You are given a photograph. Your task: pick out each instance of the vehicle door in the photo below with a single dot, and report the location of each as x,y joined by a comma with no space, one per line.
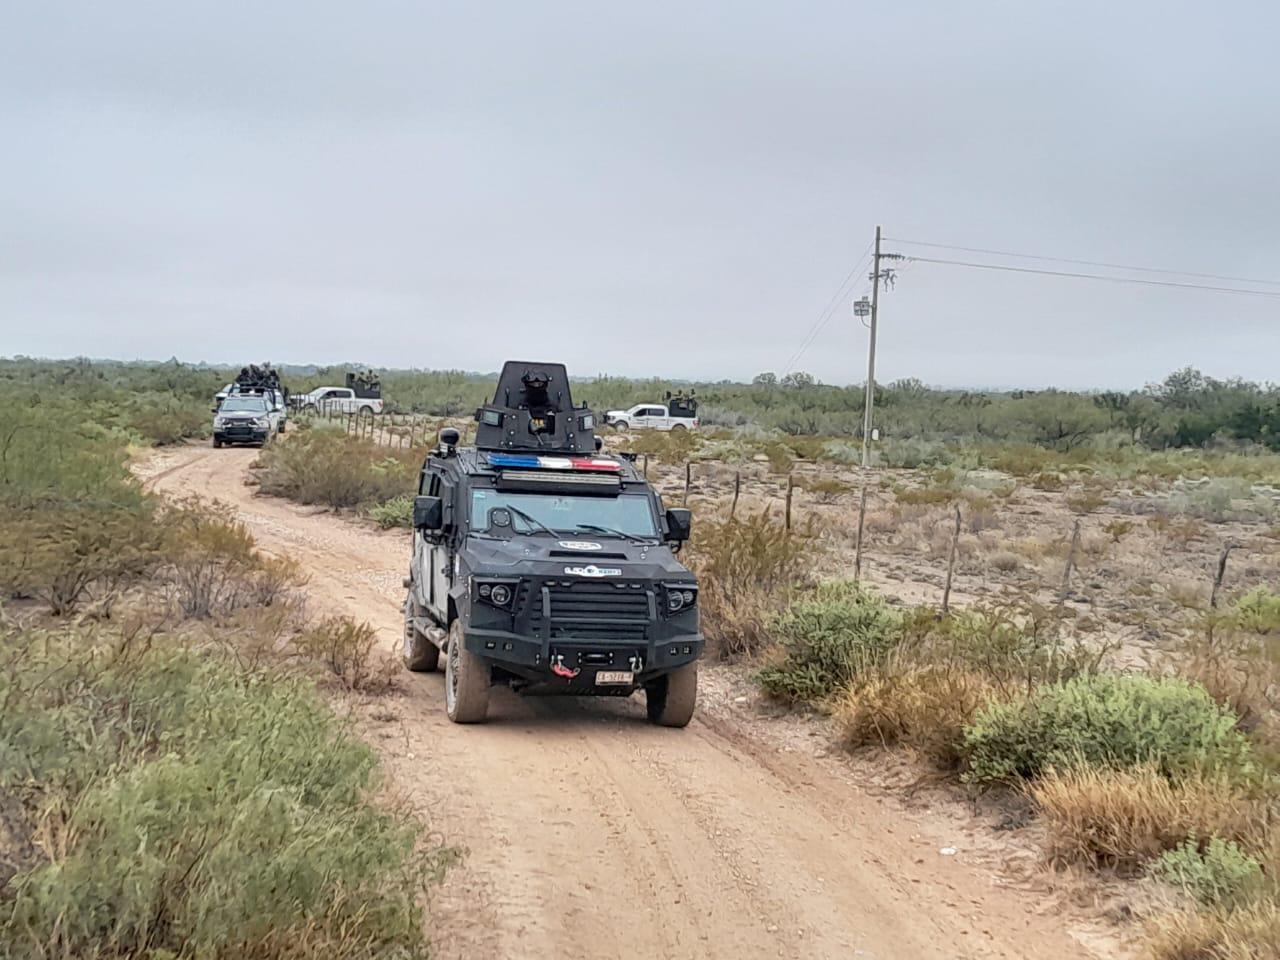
640,416
435,554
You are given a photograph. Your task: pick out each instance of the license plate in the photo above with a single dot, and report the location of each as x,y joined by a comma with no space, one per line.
614,676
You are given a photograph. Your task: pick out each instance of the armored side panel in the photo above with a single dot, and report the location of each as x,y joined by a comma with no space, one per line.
533,409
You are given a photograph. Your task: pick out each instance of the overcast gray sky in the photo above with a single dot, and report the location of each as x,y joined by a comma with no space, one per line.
644,188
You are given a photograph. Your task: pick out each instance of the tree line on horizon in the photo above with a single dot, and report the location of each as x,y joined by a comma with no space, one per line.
166,401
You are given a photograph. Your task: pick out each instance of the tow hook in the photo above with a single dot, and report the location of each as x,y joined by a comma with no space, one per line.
560,670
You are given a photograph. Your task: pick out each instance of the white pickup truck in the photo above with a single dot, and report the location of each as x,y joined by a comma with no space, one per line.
340,400
651,416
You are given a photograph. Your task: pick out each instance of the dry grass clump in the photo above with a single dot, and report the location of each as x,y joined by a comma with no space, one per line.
925,708
214,567
748,568
1250,932
1124,818
349,650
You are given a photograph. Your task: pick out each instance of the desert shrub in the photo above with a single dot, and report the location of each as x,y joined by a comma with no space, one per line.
1257,612
186,810
1248,932
1117,530
747,570
215,568
75,524
1048,482
1123,818
825,489
1219,872
1105,720
337,470
396,512
350,651
666,446
1086,500
911,453
925,496
826,639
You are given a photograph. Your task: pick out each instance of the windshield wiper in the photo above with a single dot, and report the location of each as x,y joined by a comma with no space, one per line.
610,531
532,521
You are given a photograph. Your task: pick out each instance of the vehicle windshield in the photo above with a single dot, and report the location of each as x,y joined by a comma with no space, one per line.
243,404
630,513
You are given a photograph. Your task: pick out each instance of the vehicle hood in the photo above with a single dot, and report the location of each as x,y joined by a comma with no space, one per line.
243,415
570,556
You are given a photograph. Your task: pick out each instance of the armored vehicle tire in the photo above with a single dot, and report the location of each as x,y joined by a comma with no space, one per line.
670,699
217,444
466,680
419,654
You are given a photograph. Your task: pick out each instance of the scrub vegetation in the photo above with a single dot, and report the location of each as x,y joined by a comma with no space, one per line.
173,780
1065,597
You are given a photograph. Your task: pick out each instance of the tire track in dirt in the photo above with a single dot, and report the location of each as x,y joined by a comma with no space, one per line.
590,833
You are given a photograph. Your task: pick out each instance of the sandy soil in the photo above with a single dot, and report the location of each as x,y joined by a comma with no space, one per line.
590,833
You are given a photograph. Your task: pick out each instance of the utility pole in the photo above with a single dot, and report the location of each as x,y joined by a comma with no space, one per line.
876,277
871,357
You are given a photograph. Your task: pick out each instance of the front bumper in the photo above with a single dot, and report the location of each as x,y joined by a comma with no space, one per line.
563,633
241,435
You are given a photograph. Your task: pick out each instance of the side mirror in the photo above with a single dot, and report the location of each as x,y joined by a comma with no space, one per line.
679,524
428,513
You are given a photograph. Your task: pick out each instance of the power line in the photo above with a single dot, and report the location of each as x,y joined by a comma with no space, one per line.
1098,276
1086,263
827,313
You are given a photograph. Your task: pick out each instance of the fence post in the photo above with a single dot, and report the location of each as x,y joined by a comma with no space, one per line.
688,476
646,466
737,488
1071,562
862,518
791,485
951,563
1222,572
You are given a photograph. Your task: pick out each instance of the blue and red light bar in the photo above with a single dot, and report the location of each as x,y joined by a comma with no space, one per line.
529,461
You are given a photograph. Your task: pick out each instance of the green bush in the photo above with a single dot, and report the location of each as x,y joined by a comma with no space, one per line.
1220,874
396,512
1105,720
187,810
827,639
332,468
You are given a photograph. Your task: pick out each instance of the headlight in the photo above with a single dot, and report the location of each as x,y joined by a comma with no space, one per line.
497,594
261,421
219,421
680,597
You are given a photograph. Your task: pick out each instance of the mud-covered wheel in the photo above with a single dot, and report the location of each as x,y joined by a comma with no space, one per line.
419,654
678,428
670,699
466,680
217,444
620,426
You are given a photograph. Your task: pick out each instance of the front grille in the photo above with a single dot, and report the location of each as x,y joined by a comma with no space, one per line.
586,600
587,610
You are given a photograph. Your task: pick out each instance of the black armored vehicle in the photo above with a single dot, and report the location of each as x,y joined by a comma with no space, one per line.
543,564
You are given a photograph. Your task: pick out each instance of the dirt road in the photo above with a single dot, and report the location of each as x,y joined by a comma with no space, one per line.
590,833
